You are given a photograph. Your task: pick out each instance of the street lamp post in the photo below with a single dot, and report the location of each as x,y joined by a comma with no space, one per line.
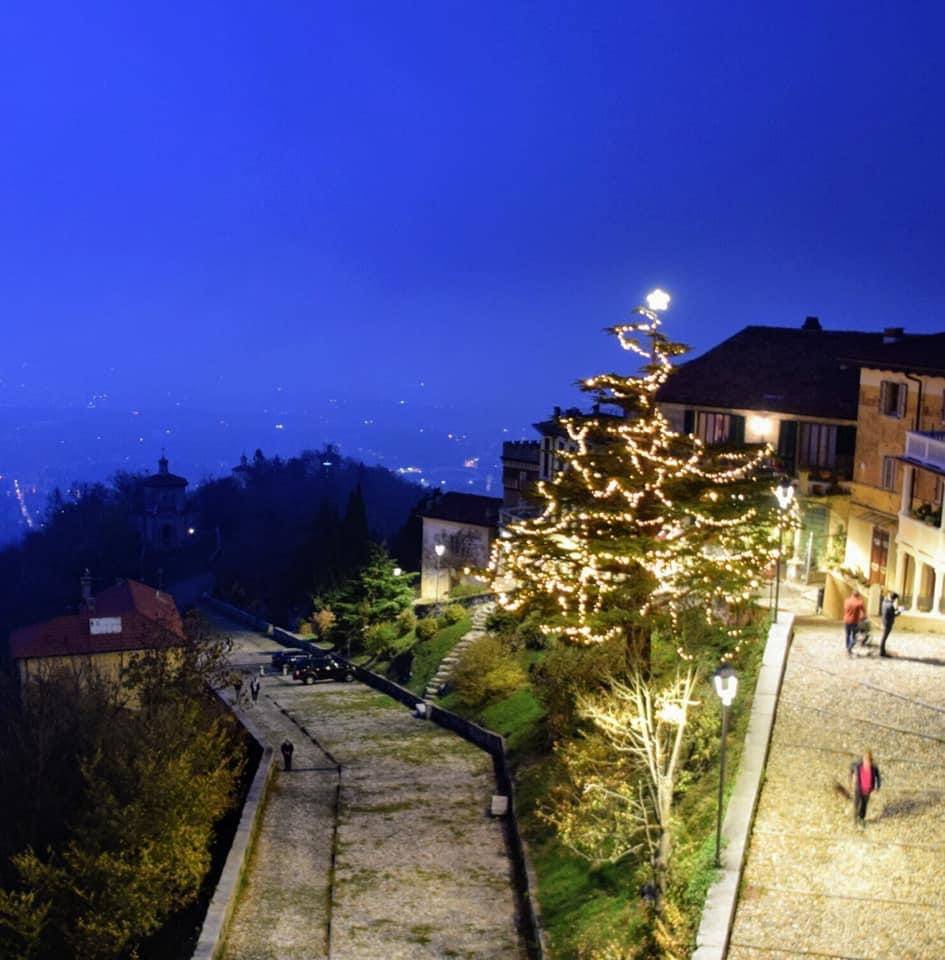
726,686
784,491
439,550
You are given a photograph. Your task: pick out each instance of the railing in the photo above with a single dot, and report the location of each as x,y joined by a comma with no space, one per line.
524,511
921,537
926,446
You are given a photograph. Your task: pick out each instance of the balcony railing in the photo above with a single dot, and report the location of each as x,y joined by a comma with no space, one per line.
926,447
921,537
523,511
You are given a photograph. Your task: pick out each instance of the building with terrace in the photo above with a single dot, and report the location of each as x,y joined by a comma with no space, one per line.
895,537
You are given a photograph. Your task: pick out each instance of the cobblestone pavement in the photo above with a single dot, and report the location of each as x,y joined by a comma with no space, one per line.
814,884
420,869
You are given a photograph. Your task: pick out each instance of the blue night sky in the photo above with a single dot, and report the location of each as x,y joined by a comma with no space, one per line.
226,215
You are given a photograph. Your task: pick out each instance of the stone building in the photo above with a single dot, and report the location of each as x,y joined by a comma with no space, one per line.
895,538
110,628
797,390
165,521
520,470
462,526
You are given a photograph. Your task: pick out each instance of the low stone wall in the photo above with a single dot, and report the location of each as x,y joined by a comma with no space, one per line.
492,743
212,937
719,911
241,616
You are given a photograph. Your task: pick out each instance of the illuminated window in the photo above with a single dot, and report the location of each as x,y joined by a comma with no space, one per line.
713,428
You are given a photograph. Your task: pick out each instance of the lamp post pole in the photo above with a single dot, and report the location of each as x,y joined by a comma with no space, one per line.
726,686
439,550
785,494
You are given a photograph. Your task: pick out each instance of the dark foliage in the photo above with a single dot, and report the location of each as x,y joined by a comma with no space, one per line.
273,533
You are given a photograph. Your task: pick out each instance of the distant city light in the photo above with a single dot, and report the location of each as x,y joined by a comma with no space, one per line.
280,426
471,463
191,531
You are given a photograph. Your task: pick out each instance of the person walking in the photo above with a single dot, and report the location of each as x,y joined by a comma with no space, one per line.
287,750
853,612
865,778
237,687
254,688
889,610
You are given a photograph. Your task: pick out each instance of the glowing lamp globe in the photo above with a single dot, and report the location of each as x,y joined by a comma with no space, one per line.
658,300
784,491
726,683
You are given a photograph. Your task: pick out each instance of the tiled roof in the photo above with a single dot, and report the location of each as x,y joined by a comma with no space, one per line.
465,508
805,372
917,353
148,618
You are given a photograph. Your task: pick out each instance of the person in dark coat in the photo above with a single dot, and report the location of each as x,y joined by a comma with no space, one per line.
254,688
865,778
287,750
889,611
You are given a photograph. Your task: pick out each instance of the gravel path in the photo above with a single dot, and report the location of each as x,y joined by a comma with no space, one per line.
421,871
814,884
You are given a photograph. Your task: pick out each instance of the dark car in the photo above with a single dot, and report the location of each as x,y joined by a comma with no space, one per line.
290,658
323,668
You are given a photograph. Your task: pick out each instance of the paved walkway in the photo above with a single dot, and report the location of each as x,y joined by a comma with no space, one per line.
419,871
814,885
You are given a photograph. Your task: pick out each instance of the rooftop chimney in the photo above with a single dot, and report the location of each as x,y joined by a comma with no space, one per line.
892,334
812,323
557,412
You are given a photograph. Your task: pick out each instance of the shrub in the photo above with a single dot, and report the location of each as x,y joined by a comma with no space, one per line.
486,672
468,590
306,629
567,671
502,622
426,628
323,622
453,614
530,636
406,622
381,639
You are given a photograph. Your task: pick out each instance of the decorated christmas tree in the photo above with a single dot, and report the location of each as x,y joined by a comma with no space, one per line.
643,528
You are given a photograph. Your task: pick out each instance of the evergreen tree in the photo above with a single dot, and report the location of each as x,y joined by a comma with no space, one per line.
644,527
375,595
355,535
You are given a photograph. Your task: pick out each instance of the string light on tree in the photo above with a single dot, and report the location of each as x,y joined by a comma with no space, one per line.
643,526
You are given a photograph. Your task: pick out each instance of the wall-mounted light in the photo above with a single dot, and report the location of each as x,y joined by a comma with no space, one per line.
760,426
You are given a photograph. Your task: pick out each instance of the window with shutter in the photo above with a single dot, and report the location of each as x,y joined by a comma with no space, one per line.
892,399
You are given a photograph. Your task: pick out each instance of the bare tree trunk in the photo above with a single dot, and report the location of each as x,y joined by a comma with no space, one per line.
639,650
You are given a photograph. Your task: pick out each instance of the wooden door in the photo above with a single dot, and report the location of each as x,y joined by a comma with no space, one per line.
878,556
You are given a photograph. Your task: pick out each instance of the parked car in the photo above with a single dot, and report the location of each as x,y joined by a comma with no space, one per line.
290,659
323,668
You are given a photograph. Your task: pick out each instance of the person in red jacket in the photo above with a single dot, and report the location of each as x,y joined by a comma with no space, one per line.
865,778
853,612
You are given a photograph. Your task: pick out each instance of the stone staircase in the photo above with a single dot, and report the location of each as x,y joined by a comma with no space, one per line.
479,616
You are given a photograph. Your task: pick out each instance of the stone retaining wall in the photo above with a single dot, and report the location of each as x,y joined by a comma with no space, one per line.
719,911
209,944
492,743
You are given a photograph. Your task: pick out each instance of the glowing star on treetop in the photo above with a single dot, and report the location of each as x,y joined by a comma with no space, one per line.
658,300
